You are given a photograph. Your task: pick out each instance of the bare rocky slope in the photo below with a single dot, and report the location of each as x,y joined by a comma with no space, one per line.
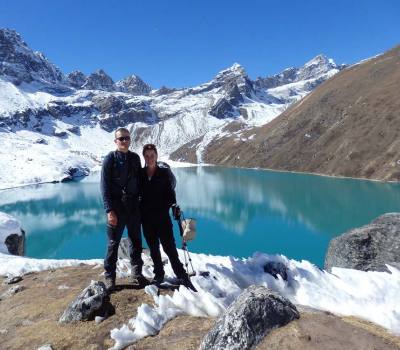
348,126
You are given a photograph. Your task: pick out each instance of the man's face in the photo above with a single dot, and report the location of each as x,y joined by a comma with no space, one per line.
123,141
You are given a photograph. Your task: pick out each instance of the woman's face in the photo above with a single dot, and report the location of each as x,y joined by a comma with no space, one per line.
150,157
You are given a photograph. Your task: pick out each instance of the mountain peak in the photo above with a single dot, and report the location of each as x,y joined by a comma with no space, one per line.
235,69
20,64
316,67
134,85
99,80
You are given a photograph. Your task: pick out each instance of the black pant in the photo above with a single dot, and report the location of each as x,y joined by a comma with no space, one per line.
129,217
157,227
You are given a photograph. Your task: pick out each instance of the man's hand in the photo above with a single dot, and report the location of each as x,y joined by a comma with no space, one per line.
112,218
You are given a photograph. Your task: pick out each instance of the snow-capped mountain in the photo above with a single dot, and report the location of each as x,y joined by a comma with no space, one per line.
19,64
66,121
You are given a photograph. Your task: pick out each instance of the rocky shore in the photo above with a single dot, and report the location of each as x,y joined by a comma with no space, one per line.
29,320
33,304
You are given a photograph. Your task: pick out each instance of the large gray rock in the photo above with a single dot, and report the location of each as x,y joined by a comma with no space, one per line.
367,248
254,314
15,243
12,236
93,301
275,268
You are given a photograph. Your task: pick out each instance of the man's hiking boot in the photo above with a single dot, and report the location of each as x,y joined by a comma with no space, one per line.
109,283
140,281
185,281
157,280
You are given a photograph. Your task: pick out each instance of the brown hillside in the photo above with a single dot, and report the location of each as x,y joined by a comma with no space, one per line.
348,126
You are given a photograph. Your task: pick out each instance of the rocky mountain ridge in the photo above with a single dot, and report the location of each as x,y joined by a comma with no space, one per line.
37,98
348,126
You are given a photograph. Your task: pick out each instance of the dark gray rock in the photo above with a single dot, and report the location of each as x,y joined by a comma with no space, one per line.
76,79
74,130
15,243
276,268
75,173
41,141
223,109
254,314
92,302
13,290
163,90
367,248
14,279
60,133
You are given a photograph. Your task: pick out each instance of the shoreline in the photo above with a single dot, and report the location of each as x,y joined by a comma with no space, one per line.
174,164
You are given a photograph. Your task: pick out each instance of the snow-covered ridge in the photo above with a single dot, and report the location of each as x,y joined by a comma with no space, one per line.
66,122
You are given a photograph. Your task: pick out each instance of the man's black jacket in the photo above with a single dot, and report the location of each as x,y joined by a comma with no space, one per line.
120,172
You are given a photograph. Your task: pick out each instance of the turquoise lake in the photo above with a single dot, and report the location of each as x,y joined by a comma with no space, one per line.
238,212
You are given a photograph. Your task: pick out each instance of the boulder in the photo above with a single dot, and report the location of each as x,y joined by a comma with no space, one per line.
275,268
92,302
12,236
11,291
248,319
367,248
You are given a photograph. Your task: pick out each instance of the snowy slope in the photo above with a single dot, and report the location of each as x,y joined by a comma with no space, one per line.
51,123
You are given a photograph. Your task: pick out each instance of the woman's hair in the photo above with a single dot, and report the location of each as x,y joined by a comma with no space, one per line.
149,147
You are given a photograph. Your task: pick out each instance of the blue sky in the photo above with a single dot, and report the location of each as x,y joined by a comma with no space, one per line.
185,43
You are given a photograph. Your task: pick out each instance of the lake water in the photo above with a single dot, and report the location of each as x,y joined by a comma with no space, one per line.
238,211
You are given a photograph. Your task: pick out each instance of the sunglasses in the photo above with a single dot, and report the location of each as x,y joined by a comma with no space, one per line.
123,138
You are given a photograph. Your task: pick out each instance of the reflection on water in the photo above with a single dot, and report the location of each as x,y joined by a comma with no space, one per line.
239,211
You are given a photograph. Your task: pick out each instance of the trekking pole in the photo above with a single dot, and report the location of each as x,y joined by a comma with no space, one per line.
186,255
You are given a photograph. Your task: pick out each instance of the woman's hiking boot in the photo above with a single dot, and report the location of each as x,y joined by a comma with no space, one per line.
157,280
185,281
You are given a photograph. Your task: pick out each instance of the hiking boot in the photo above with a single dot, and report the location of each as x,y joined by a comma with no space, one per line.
140,281
157,280
109,282
185,281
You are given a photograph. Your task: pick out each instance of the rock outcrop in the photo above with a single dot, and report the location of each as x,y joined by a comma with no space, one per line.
93,301
254,314
367,248
76,79
12,236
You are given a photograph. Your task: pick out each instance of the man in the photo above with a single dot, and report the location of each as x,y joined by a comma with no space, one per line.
120,192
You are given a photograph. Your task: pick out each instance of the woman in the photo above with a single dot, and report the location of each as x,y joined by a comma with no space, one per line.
157,197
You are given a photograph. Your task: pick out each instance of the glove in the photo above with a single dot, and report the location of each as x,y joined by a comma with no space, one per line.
176,211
